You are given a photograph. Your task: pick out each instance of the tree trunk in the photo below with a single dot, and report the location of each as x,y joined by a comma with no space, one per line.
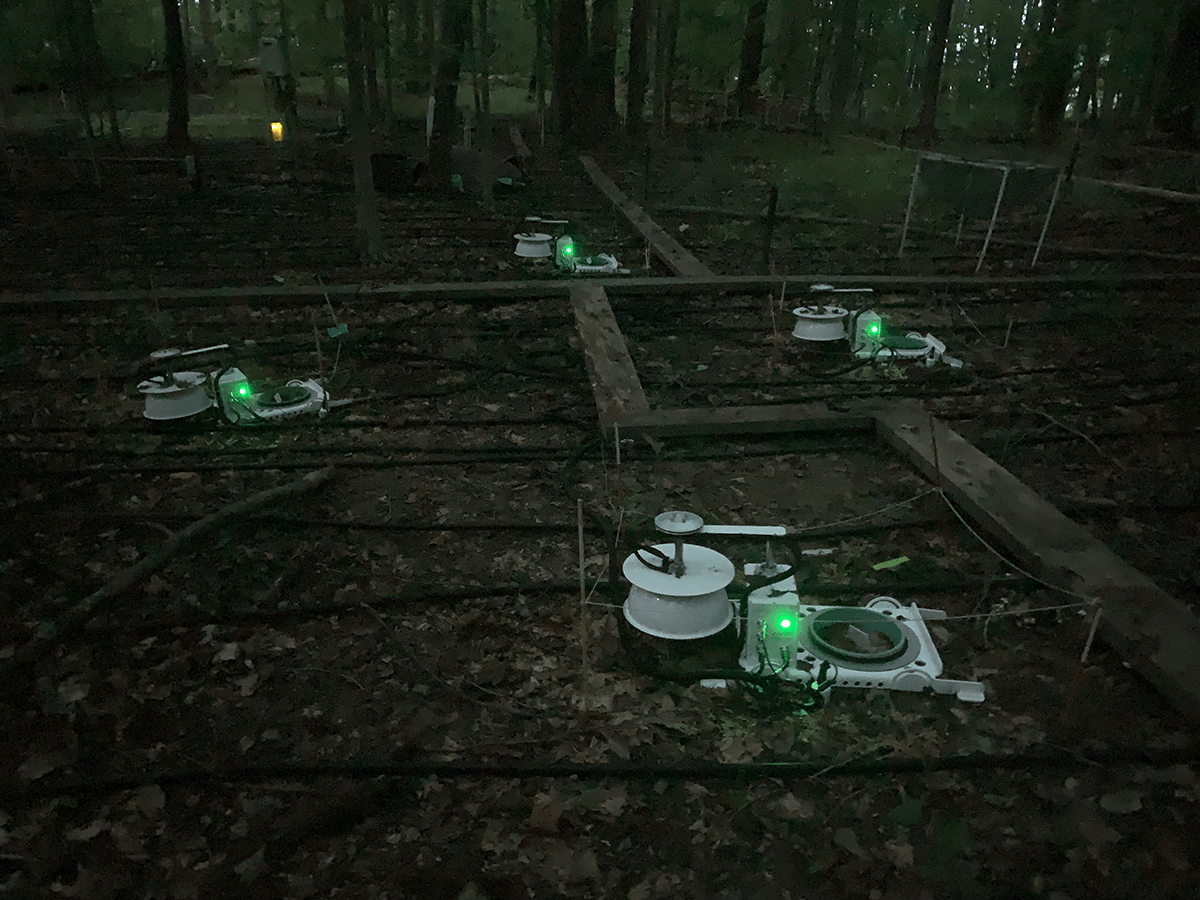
474,43
665,31
486,49
1086,106
635,88
602,74
787,47
570,71
1005,29
927,121
1132,101
370,238
389,71
752,51
99,73
177,104
411,21
818,74
431,37
1057,64
864,70
209,48
255,25
329,86
185,22
456,24
1176,113
1031,76
287,93
74,75
845,52
370,36
541,18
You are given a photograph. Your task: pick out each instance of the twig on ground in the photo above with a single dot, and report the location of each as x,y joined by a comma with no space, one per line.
79,614
1075,431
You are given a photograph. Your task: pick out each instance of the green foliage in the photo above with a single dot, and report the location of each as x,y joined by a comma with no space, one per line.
709,42
981,89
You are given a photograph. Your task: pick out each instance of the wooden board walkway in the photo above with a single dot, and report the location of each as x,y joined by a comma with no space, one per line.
1154,633
668,249
615,383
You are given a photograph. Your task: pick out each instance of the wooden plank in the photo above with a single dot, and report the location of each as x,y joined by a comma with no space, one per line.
1162,193
512,291
800,418
1155,633
615,381
668,249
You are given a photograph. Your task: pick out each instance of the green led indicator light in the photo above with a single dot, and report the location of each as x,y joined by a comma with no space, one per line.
785,624
873,328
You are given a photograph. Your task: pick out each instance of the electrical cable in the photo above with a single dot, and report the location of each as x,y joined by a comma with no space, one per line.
684,769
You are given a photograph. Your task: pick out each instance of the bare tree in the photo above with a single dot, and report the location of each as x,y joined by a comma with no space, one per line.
752,51
635,92
287,94
178,140
570,70
931,88
1177,112
602,68
456,25
370,237
666,30
845,55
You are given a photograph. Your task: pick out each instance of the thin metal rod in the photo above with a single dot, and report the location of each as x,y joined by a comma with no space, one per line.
991,225
1046,225
583,623
912,193
1087,647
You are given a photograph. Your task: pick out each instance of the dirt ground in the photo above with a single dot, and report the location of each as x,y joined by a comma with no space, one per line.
377,687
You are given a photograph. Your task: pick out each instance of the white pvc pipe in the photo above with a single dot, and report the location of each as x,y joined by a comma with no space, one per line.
991,225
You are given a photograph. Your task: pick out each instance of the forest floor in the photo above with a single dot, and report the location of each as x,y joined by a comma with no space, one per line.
375,688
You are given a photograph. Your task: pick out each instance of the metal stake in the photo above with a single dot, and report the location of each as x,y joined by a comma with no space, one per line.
912,193
1045,225
991,225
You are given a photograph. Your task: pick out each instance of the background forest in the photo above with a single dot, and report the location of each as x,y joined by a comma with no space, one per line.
996,68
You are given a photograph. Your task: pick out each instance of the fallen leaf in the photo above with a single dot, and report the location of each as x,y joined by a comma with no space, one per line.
789,806
86,834
227,653
73,691
907,812
613,805
547,810
247,685
848,840
1121,802
1093,828
150,800
250,868
900,853
640,891
35,767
